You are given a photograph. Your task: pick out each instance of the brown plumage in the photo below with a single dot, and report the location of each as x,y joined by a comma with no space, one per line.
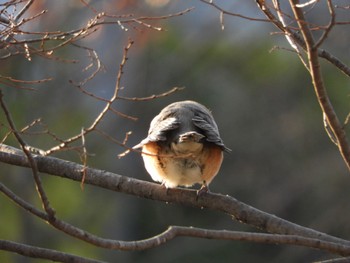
183,146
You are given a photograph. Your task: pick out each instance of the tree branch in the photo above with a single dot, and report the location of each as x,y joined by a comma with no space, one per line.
298,39
29,157
23,10
43,253
103,112
176,231
320,89
223,203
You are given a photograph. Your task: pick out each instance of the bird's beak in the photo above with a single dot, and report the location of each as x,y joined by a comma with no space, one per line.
190,137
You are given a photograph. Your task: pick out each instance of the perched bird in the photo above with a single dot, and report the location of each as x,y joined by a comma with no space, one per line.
183,146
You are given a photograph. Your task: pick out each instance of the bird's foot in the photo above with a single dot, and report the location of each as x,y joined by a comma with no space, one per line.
204,189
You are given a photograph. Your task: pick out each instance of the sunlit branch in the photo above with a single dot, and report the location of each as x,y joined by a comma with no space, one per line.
320,90
223,203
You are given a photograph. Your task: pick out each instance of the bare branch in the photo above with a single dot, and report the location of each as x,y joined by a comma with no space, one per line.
222,20
334,61
347,119
24,9
103,112
311,2
17,41
31,161
297,38
95,64
43,253
225,12
329,130
329,26
320,90
289,38
154,96
9,81
300,237
122,144
127,18
83,157
177,231
223,203
123,115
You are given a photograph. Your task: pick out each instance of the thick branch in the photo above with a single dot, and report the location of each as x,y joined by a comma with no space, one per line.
171,233
224,203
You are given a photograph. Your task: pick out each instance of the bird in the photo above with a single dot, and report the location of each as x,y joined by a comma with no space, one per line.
183,146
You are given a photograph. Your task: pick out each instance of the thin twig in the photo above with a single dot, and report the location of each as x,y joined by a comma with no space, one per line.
311,2
25,45
24,9
30,125
288,36
123,115
32,162
38,81
347,119
43,253
154,96
103,112
225,12
127,18
329,26
95,62
83,158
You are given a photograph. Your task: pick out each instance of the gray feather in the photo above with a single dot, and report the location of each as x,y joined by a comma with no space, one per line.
181,117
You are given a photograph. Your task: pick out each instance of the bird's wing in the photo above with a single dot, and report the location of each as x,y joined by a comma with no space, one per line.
158,129
210,130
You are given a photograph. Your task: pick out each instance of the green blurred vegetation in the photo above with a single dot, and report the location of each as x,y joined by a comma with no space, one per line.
282,160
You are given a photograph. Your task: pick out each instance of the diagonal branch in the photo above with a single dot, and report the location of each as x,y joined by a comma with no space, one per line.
103,112
299,40
29,157
307,42
288,36
23,10
329,26
320,89
43,253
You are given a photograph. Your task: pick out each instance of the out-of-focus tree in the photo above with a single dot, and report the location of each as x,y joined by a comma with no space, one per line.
67,91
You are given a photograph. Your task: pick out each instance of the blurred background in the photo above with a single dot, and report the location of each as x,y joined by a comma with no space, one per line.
261,96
